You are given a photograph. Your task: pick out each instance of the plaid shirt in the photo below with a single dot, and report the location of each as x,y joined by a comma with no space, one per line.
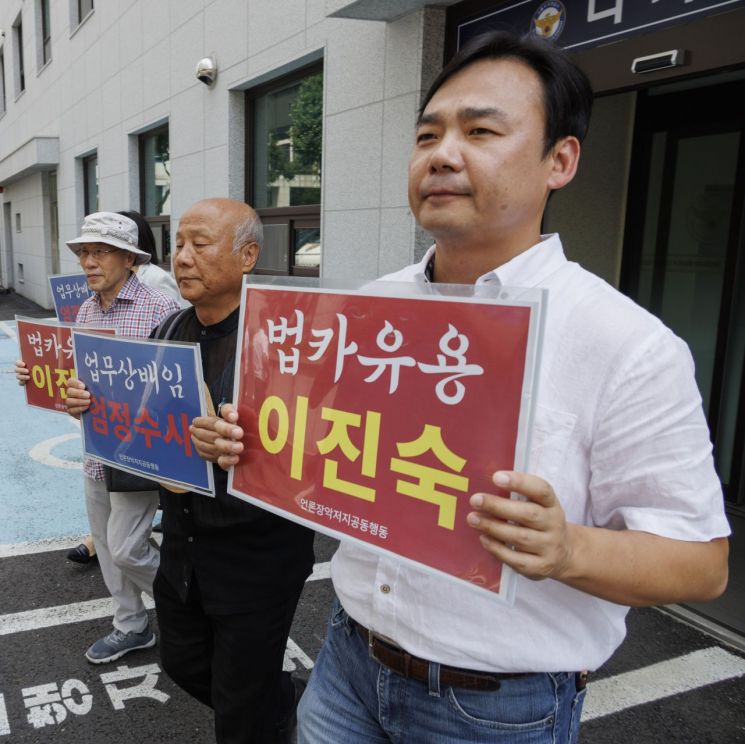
135,311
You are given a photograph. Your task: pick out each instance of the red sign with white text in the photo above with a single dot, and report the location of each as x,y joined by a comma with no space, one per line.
376,417
46,348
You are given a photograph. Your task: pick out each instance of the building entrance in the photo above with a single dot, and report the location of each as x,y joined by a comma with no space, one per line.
684,260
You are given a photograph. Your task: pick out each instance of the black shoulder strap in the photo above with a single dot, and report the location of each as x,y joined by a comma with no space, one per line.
168,326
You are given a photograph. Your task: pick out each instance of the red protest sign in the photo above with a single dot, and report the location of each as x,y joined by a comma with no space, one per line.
376,417
46,348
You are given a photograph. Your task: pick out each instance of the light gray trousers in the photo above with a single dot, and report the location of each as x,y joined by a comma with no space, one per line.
121,524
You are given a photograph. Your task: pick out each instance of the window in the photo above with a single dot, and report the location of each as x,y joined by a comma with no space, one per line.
43,32
155,186
79,11
285,122
2,81
84,7
18,43
90,183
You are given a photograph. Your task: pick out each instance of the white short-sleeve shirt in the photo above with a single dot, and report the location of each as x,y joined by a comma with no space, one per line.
619,433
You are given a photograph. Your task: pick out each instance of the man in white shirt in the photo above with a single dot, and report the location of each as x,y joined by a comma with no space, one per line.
622,506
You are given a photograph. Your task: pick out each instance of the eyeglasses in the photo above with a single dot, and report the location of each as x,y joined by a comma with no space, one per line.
97,253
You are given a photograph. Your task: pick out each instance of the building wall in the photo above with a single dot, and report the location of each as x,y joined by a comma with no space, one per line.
130,66
31,256
590,212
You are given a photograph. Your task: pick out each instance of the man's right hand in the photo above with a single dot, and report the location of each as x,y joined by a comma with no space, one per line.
218,439
22,374
78,399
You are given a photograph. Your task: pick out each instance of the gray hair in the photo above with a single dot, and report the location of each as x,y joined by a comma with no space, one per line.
248,231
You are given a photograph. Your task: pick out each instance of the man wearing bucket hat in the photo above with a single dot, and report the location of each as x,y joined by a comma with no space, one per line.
120,522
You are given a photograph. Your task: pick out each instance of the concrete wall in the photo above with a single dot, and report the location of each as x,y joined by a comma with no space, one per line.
590,212
31,254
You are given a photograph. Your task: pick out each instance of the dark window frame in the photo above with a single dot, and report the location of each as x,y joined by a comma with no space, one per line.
160,223
298,217
46,31
143,165
19,58
3,104
84,9
88,206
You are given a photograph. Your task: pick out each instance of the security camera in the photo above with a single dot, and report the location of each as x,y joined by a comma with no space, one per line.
206,71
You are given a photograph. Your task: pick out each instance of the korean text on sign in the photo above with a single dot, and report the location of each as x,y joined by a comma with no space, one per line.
376,417
144,395
69,292
46,348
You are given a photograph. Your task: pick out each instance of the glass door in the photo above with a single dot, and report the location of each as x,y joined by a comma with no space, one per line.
684,260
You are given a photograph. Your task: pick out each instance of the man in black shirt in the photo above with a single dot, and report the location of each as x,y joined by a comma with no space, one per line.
230,573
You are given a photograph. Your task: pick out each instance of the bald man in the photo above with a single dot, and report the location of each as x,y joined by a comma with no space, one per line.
230,574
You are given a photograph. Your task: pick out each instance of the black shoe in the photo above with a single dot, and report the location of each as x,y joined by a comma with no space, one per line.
288,725
81,555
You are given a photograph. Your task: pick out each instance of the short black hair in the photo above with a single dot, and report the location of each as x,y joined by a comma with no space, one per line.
567,94
145,237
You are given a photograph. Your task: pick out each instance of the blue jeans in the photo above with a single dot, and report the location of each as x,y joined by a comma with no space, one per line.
352,698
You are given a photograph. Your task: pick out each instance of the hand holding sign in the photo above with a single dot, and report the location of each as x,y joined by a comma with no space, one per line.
218,439
532,535
78,399
22,373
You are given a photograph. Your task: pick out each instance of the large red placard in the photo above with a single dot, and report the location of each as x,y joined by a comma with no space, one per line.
377,417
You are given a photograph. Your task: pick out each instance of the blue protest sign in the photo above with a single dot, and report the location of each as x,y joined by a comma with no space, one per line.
144,395
69,292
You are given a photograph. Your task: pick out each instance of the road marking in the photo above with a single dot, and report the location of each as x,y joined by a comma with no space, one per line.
39,546
4,723
47,617
8,330
658,681
93,609
42,452
11,550
605,696
320,571
294,653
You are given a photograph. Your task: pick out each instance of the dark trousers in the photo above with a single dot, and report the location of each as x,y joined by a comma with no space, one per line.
232,663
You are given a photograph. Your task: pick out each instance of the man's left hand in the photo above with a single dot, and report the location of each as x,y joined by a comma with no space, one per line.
531,536
217,438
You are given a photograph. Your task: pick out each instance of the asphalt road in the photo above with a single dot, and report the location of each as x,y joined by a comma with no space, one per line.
50,693
668,683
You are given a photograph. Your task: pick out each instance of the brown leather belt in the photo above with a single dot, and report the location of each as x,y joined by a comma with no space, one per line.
406,665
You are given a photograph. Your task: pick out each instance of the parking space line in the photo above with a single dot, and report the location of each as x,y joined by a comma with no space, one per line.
8,330
4,724
658,681
47,617
12,550
39,546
